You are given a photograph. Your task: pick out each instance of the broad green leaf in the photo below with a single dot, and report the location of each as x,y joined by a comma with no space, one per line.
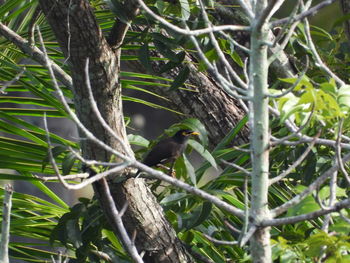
307,205
203,152
138,140
344,97
236,58
305,82
68,162
185,9
190,170
199,216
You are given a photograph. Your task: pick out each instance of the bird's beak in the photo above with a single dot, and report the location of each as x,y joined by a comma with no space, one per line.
194,133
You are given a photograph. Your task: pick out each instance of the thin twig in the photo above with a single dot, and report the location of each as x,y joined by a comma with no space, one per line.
296,163
219,51
272,7
188,32
312,187
245,238
338,152
35,53
120,167
101,120
233,229
225,84
312,11
129,245
65,177
131,162
309,216
317,57
294,133
6,84
220,242
285,26
295,84
245,171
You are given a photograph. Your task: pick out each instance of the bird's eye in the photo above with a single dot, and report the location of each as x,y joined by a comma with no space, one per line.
184,133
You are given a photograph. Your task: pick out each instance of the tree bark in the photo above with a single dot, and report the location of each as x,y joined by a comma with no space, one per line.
80,37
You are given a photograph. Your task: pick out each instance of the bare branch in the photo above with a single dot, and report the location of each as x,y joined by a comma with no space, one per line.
347,220
268,12
318,199
234,42
35,53
218,49
304,138
295,219
87,182
227,87
116,217
317,57
312,187
245,238
231,227
188,32
31,25
243,170
311,12
220,242
285,26
295,84
9,83
65,177
104,124
332,199
188,188
295,132
296,163
338,152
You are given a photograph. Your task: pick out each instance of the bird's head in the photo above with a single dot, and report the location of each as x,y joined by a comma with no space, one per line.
188,132
182,135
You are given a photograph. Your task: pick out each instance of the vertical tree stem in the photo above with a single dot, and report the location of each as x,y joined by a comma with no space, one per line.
258,71
5,227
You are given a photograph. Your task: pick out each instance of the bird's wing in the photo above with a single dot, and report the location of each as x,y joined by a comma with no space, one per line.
162,152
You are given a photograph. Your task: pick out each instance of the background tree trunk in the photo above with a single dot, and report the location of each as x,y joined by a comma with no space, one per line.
154,235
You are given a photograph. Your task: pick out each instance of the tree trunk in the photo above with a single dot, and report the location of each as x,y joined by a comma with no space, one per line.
144,216
259,119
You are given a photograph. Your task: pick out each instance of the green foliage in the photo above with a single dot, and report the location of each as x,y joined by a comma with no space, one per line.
311,248
83,230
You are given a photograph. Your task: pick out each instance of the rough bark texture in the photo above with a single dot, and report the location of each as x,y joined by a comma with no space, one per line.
207,101
144,215
219,112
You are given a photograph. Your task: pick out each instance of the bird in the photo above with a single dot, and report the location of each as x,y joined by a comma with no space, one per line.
168,150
